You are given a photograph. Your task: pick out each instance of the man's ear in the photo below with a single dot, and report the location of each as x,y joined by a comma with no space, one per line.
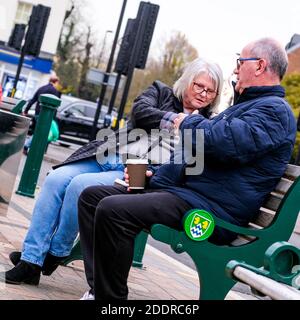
261,67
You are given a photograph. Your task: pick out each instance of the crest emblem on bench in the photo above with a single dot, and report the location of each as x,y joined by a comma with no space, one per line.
198,224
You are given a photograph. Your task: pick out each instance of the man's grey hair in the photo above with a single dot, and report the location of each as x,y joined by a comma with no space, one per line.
194,69
273,52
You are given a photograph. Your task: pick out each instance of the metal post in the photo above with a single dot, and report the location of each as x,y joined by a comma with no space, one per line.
49,104
139,248
131,65
21,60
102,49
108,118
114,94
106,74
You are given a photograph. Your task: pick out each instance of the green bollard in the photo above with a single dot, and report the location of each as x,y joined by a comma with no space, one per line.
32,167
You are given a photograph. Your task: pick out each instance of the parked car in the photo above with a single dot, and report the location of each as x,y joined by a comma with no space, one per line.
75,118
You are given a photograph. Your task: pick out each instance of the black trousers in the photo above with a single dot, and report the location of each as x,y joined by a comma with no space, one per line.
109,220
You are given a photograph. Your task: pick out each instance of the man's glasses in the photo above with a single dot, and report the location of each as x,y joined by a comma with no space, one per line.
199,88
240,61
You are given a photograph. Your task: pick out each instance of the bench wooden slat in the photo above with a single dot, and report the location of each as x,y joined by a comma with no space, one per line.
292,172
268,211
264,217
241,240
283,185
253,225
273,201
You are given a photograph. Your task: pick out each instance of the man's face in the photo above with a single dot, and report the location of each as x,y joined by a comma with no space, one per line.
245,71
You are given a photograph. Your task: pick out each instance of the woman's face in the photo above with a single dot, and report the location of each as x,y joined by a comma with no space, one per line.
200,93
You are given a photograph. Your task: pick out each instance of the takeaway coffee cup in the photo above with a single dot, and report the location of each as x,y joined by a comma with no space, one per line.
137,173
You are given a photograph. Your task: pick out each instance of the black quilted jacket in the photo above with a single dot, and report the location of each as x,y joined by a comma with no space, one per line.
147,112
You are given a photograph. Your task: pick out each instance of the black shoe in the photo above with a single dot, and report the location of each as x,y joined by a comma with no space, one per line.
23,272
15,257
51,263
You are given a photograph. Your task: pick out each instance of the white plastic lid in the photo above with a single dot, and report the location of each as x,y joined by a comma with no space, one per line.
136,161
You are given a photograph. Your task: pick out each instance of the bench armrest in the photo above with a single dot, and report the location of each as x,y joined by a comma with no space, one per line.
234,228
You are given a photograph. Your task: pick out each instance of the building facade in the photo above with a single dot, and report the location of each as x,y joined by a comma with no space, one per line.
36,70
294,59
293,52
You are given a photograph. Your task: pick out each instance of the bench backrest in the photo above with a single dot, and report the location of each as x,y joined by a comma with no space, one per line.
270,211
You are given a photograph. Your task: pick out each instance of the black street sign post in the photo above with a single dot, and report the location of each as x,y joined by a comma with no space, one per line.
106,75
34,38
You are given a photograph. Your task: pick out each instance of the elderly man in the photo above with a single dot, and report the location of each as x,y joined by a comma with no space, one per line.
246,149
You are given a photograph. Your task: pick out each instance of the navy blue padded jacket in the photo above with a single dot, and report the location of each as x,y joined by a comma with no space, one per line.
246,150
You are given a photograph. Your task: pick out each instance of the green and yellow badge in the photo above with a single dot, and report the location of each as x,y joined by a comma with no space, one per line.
198,224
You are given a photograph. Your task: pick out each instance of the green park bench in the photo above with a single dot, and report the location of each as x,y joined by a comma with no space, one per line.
275,222
139,248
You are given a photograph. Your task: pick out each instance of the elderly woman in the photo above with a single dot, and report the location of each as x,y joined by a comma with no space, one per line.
54,223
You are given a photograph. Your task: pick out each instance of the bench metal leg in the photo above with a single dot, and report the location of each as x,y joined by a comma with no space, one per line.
213,286
139,249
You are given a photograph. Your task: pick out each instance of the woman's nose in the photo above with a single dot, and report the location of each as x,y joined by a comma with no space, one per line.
203,93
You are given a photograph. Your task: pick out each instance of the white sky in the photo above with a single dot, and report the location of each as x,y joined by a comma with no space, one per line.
216,28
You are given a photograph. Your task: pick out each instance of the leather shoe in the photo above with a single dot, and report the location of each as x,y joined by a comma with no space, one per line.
15,257
51,263
23,272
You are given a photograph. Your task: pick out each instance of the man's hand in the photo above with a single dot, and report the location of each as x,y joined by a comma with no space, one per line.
126,176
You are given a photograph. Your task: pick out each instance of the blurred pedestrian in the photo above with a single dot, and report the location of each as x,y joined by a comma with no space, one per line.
50,88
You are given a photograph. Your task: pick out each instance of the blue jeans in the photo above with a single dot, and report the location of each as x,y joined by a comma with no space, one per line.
54,223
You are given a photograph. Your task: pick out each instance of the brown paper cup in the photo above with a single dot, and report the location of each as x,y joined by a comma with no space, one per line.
137,173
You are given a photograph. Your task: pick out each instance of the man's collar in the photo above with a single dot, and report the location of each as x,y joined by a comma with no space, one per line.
257,91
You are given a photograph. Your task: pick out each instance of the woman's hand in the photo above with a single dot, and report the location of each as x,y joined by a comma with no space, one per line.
126,176
177,122
180,118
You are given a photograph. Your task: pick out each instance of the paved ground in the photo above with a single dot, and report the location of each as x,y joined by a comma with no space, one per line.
161,278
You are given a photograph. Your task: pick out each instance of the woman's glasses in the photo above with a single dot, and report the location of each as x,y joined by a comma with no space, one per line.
199,88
